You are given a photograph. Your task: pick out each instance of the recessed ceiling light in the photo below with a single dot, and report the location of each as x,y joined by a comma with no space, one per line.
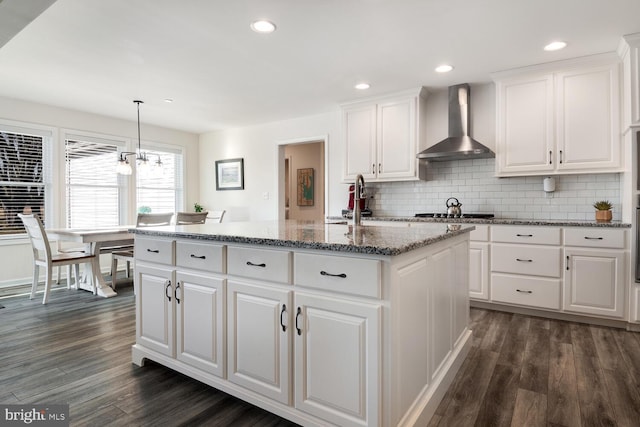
444,68
263,26
555,46
362,86
168,100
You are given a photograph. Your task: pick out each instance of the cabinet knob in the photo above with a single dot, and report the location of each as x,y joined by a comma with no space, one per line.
298,313
282,322
166,290
263,265
324,273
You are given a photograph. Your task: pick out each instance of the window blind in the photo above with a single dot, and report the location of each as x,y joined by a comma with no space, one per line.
22,179
161,189
92,188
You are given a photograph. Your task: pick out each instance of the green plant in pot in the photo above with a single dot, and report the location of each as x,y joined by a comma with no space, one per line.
197,207
603,211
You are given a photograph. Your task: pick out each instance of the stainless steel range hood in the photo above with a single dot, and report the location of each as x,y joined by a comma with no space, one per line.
459,145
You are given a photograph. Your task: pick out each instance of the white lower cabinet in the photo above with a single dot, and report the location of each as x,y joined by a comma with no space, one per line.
594,282
259,339
199,302
336,359
154,308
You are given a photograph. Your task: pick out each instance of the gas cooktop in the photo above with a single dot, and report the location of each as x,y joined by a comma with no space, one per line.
464,215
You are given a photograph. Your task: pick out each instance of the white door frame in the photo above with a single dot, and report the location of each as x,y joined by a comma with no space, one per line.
280,175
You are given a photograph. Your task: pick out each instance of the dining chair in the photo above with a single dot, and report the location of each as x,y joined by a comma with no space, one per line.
127,255
185,218
216,216
42,257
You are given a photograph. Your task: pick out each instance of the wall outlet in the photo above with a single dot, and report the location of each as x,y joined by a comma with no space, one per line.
265,195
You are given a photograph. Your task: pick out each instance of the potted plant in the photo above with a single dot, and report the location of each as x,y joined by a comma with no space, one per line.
603,211
197,207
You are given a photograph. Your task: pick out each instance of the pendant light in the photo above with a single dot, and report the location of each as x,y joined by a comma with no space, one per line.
124,167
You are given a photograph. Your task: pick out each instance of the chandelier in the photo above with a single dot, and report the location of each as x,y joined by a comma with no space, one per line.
142,158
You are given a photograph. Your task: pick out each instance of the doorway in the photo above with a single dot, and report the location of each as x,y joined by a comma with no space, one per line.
302,180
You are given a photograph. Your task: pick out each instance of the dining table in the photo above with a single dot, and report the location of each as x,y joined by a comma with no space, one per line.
95,240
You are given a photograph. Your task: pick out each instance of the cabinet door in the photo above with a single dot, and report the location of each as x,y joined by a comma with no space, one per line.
337,359
397,139
259,339
479,270
594,282
588,131
359,133
200,321
155,300
525,126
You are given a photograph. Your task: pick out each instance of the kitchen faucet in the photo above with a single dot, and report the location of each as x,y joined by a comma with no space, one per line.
358,190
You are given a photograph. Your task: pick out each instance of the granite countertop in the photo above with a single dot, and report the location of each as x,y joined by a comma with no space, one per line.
332,236
501,221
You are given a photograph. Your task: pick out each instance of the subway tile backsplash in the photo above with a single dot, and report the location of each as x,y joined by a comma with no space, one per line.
473,184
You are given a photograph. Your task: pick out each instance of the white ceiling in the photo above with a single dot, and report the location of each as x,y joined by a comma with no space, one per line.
98,56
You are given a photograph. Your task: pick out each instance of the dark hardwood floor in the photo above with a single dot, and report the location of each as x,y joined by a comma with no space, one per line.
521,371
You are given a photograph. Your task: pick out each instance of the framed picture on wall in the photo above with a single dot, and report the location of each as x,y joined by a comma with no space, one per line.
305,187
230,174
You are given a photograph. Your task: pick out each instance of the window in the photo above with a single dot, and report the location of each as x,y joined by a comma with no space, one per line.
160,189
93,191
23,176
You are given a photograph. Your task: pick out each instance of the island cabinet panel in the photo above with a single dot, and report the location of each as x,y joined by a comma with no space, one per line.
479,270
374,341
155,307
200,256
263,264
259,339
337,353
338,274
200,321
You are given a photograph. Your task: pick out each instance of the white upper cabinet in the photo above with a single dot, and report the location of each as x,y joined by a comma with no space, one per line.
382,137
559,120
629,51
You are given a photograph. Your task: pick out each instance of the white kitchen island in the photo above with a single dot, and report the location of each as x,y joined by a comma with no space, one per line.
322,324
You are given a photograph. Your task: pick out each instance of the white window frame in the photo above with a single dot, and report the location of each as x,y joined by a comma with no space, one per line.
125,189
151,147
49,135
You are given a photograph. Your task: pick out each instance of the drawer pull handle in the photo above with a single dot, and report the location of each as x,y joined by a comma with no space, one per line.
524,292
155,251
175,293
199,257
524,235
593,238
324,273
284,327
256,265
166,290
298,313
524,260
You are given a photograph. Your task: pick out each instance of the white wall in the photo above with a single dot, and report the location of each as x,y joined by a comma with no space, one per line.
258,145
15,255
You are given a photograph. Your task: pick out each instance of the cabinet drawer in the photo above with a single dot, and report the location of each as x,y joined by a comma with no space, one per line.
338,274
594,237
531,291
154,250
532,235
524,259
263,264
201,256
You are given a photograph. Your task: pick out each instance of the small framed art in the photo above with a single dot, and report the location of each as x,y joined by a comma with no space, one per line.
230,174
